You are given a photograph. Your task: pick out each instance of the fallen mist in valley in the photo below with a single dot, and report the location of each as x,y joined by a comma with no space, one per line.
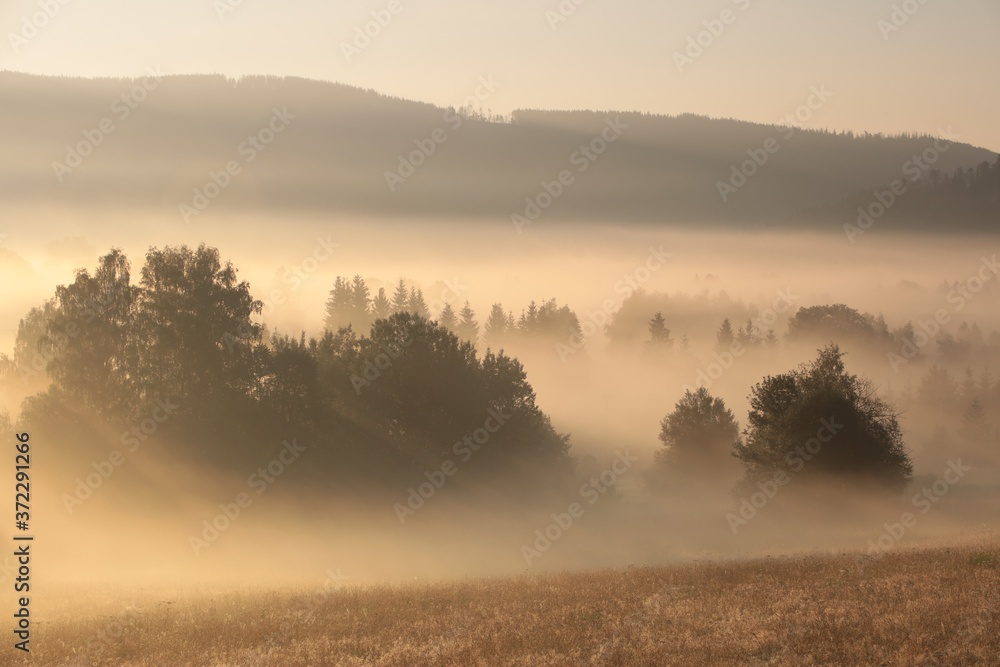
360,500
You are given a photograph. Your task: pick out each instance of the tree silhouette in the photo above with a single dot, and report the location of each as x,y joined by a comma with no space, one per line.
748,335
853,434
360,316
836,322
698,439
289,389
381,306
194,324
659,334
94,318
529,319
400,298
496,327
435,391
416,303
724,337
36,345
468,328
770,340
547,323
340,305
447,317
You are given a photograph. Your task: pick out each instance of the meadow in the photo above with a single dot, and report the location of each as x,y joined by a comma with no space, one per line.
920,607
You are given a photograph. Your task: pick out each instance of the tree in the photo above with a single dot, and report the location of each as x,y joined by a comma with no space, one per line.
659,334
93,338
837,322
36,344
400,298
467,328
417,305
435,391
724,337
339,305
748,335
529,320
495,329
698,437
289,389
850,433
381,306
547,323
194,325
360,317
447,317
770,340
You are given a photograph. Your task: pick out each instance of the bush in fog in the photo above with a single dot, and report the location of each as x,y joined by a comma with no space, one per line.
836,321
820,420
698,438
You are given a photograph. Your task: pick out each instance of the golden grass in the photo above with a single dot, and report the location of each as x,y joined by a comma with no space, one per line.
916,608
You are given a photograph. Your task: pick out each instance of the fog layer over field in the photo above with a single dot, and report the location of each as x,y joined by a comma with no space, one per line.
145,520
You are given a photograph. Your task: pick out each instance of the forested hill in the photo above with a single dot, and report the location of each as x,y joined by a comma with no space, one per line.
966,198
151,143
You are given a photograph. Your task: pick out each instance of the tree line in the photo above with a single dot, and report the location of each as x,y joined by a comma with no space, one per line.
394,400
384,405
351,303
968,196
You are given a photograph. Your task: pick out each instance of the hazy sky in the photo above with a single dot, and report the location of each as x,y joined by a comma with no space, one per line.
938,69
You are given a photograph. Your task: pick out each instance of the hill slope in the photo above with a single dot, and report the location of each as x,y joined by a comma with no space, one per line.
337,144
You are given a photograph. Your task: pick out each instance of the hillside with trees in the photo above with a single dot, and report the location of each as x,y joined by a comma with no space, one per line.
350,151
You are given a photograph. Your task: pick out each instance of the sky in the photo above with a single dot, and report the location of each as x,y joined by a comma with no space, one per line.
887,65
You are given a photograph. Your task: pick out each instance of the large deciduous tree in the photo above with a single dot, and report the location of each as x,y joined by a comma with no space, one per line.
195,328
92,338
819,420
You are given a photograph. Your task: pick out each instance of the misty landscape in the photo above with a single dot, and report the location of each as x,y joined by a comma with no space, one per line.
299,369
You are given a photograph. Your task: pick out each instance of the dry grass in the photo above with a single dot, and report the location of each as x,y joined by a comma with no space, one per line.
929,607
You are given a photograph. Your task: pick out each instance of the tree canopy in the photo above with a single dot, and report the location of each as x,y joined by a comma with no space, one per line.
698,438
821,420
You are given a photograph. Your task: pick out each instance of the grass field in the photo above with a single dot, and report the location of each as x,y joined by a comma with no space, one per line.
922,607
